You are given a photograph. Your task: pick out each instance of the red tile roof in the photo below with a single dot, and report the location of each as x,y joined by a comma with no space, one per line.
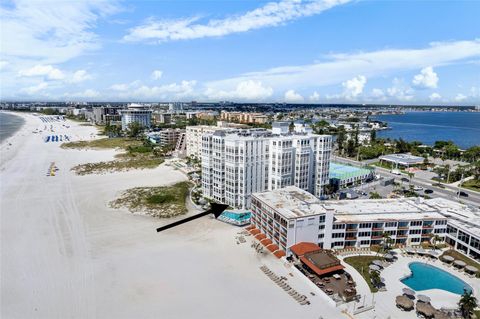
265,242
303,248
272,247
260,236
319,271
254,231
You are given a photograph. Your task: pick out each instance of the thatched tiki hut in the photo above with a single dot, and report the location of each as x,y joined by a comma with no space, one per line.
404,303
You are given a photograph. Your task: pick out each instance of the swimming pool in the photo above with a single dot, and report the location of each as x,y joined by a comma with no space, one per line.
426,277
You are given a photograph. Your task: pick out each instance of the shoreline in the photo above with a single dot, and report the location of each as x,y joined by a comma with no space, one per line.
65,253
10,146
14,114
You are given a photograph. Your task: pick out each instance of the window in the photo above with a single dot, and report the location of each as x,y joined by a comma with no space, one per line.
339,226
416,223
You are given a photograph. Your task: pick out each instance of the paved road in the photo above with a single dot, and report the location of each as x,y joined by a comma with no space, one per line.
448,192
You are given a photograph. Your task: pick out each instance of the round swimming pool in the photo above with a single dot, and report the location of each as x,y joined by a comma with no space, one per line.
426,277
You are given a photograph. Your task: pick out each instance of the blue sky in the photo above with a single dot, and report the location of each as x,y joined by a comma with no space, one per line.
321,51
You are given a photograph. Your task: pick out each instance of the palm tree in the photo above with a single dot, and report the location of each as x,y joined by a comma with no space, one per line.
435,240
467,303
375,278
386,241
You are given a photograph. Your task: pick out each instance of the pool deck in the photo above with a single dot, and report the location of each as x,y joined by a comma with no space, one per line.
385,300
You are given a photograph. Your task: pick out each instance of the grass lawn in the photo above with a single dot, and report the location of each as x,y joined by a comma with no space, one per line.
361,263
460,256
162,202
477,313
472,184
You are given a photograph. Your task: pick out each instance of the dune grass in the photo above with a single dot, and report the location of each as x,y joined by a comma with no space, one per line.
137,155
103,143
162,202
119,165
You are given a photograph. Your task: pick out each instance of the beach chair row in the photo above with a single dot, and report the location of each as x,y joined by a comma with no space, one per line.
280,281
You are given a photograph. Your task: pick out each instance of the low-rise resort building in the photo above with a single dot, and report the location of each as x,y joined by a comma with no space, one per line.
402,160
290,216
343,176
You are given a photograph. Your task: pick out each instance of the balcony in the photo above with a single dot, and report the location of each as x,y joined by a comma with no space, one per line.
377,229
377,237
427,226
351,230
351,238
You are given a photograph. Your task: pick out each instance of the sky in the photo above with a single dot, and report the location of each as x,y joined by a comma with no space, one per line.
319,51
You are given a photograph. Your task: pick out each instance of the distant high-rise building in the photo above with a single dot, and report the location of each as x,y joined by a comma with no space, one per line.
136,113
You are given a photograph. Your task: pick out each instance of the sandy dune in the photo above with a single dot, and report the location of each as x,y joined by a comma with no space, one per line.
66,254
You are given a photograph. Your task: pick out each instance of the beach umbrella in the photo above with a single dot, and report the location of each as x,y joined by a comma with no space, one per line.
374,267
388,256
408,292
421,251
471,269
377,262
448,258
404,302
426,309
459,263
441,315
423,298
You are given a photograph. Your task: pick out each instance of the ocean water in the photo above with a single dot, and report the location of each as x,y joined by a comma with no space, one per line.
9,124
463,128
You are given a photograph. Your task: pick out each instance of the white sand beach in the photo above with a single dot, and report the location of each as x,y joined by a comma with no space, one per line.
66,254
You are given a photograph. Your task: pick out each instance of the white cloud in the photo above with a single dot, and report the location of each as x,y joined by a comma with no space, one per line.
35,88
80,76
400,91
315,97
427,79
3,65
293,97
156,75
460,97
435,96
245,90
87,94
47,71
169,91
125,86
378,94
354,87
51,31
270,15
341,67
119,87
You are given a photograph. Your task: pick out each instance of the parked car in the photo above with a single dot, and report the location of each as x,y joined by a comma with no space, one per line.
428,191
461,193
404,179
418,188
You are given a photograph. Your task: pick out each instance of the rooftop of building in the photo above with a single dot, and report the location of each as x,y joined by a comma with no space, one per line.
320,261
342,171
464,216
293,202
407,159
